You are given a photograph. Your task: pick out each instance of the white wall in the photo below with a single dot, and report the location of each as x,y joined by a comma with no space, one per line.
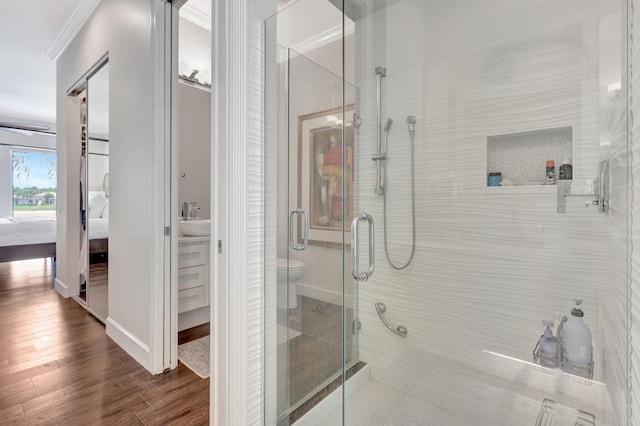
194,50
237,314
97,165
634,125
194,147
124,30
490,263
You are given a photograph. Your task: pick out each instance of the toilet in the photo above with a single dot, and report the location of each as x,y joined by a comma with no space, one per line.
296,270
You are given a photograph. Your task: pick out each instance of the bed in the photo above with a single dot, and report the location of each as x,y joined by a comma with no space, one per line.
27,238
24,238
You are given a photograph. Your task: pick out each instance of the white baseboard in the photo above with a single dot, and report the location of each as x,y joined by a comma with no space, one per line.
131,344
193,318
61,288
322,294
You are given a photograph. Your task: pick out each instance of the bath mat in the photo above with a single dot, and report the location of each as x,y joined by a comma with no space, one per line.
283,336
195,355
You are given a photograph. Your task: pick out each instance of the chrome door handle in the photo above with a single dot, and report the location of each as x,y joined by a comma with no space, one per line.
362,276
400,330
305,239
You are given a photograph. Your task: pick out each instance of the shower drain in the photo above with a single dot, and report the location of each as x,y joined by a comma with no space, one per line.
553,414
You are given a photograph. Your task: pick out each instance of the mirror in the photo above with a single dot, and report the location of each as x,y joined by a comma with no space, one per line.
98,194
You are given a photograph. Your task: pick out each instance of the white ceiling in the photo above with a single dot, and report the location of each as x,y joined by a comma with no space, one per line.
29,32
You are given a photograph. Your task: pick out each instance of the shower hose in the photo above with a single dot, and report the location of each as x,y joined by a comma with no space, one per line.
413,216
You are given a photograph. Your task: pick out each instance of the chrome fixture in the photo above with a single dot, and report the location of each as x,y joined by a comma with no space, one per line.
357,121
189,210
192,79
411,120
380,156
362,276
400,330
597,188
305,238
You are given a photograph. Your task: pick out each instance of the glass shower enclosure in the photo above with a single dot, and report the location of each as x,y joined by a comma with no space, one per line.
441,179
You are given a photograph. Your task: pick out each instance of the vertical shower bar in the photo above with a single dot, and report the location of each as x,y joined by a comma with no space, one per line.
380,72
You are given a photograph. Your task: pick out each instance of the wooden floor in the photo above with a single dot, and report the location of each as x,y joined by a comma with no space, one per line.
58,367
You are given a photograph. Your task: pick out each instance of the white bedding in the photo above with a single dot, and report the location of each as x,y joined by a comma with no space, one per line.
16,231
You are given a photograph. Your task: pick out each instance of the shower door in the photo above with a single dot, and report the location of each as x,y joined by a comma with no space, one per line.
310,197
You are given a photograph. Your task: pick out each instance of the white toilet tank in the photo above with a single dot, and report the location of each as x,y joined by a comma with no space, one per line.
296,269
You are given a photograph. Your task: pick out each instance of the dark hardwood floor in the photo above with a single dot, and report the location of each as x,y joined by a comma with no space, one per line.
58,367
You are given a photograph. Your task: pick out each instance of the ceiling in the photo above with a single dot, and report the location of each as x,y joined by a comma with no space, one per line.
30,36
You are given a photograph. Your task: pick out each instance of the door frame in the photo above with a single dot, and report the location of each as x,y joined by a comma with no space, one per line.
162,358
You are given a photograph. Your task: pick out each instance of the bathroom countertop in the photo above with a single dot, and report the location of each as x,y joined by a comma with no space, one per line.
184,238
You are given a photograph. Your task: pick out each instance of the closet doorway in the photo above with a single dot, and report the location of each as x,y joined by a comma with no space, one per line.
92,93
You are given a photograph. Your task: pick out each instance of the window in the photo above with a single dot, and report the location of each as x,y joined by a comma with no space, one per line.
34,183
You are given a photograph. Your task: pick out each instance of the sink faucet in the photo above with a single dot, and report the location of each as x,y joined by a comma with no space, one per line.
189,209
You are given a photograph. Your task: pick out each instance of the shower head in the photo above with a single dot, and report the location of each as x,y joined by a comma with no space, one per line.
388,124
411,121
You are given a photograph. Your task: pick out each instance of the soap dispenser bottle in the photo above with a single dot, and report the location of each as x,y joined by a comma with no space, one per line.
548,347
576,343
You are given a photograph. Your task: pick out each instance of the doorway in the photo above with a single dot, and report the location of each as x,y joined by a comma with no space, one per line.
92,94
190,177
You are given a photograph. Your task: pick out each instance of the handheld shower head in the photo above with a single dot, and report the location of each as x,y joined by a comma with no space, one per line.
411,121
388,124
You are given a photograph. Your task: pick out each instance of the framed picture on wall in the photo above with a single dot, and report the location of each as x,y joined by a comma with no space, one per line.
325,175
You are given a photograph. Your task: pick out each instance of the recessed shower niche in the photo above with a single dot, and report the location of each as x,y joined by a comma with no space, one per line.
521,157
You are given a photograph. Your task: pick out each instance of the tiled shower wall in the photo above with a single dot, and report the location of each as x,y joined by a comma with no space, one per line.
635,215
490,263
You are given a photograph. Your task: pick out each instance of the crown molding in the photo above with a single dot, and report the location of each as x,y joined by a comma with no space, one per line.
72,27
195,16
321,39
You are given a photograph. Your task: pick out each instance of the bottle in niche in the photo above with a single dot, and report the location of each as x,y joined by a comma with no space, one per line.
577,352
566,170
551,173
495,179
548,347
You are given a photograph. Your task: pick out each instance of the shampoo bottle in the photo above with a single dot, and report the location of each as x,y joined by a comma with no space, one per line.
566,169
548,347
577,352
550,176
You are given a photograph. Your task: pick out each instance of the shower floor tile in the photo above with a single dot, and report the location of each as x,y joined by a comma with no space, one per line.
377,404
314,357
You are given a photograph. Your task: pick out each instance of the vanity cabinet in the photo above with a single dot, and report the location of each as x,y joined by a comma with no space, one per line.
193,274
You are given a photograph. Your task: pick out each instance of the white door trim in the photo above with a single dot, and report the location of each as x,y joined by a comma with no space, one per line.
171,324
161,283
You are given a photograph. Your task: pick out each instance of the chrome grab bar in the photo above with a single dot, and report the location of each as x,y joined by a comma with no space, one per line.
305,239
362,276
400,330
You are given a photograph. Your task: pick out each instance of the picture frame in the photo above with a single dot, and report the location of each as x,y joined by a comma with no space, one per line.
321,188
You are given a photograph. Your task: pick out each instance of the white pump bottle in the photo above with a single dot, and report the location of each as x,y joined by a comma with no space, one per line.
576,343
